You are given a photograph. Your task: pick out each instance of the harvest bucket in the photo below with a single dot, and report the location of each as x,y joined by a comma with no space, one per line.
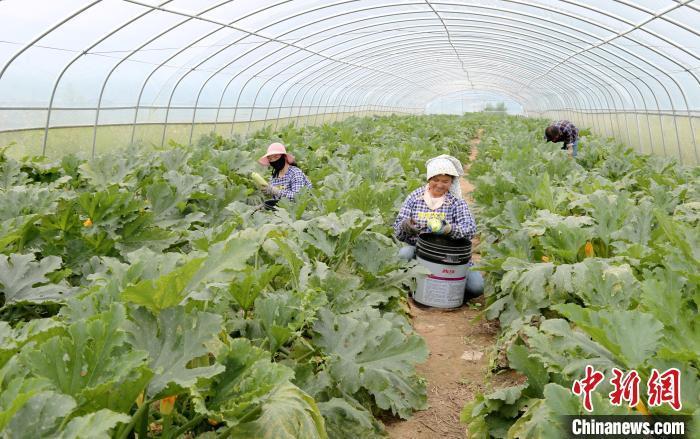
447,259
270,204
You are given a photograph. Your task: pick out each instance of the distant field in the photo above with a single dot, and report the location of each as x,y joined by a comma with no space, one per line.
649,134
78,140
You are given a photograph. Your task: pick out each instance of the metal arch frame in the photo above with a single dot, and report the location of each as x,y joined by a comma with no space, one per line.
76,58
182,50
634,55
637,56
256,33
491,85
134,51
311,53
663,55
363,36
449,40
473,52
621,99
404,42
375,7
292,54
499,86
390,94
616,73
349,89
45,33
608,40
558,12
653,65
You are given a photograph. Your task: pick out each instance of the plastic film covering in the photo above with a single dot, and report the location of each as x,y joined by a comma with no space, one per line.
89,76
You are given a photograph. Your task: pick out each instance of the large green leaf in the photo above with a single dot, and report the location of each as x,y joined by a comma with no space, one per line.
228,256
663,290
93,363
96,425
349,421
537,376
23,279
566,350
249,283
632,336
374,252
563,241
367,352
12,340
288,413
40,416
16,388
172,340
166,291
597,282
255,398
245,384
527,283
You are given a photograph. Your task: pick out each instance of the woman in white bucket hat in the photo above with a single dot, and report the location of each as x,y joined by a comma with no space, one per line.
438,207
287,179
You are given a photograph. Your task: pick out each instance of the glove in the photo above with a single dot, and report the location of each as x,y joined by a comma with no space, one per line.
445,229
271,190
408,226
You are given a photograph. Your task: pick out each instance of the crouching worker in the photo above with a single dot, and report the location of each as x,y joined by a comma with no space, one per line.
287,179
438,207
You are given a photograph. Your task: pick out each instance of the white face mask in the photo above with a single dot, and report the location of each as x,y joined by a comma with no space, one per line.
433,203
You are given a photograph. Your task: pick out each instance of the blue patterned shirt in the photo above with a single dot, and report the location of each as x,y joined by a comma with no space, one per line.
453,210
291,183
569,132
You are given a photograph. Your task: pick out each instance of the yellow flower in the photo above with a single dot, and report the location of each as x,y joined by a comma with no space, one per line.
167,404
545,258
87,223
139,400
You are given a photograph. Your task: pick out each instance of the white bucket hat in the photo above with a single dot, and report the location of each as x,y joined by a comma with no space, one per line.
447,165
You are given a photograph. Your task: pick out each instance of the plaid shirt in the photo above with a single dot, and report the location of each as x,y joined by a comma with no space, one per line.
569,132
453,210
291,183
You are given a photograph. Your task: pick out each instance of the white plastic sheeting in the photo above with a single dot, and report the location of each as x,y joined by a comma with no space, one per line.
628,69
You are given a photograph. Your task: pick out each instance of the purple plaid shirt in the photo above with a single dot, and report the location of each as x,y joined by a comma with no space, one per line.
569,132
291,183
453,210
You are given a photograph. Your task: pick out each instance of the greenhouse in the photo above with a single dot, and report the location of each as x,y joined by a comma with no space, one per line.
349,219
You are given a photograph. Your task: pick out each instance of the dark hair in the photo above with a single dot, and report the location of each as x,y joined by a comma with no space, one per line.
275,172
552,133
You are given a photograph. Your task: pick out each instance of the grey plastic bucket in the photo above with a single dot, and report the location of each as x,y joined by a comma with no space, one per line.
447,260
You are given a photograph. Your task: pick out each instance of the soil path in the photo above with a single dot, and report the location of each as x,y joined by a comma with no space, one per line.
457,366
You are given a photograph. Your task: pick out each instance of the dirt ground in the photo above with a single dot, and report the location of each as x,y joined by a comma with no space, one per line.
458,363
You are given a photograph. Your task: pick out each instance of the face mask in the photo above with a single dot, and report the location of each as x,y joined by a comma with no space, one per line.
277,165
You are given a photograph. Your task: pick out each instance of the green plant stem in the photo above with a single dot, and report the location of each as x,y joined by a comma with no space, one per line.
142,427
167,425
124,432
196,420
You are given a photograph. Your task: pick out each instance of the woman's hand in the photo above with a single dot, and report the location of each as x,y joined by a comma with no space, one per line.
409,227
445,229
271,190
